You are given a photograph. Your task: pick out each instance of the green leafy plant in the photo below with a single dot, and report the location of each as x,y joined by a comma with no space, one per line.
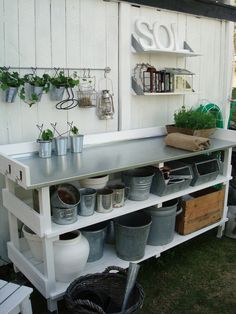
62,80
47,135
195,120
10,79
74,130
36,81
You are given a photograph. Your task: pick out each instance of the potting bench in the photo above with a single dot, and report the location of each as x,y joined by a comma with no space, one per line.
103,154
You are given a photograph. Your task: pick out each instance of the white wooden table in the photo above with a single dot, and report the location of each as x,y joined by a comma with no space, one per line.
14,298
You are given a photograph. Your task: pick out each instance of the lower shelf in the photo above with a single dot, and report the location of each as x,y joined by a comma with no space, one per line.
34,270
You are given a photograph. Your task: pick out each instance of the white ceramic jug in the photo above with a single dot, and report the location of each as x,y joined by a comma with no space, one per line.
70,254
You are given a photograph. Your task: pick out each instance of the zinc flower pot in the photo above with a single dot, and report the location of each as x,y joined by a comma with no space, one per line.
10,94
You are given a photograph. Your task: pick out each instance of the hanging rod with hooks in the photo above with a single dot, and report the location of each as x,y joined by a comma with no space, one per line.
106,69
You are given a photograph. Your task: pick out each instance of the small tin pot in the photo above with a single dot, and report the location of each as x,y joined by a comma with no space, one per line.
61,145
104,200
77,143
45,149
87,202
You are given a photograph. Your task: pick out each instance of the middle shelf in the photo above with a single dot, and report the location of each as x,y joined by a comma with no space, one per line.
34,220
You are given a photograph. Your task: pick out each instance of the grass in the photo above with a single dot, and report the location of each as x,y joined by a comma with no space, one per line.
197,277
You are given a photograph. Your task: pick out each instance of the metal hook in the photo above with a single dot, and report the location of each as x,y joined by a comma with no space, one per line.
34,70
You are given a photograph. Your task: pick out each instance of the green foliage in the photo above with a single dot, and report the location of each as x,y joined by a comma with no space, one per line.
195,120
41,81
10,79
74,130
62,80
47,135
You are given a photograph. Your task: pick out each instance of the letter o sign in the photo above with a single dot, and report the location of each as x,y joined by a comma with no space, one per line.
156,31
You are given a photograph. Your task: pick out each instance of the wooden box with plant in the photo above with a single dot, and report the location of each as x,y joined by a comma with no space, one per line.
38,86
191,122
45,142
76,139
11,83
60,82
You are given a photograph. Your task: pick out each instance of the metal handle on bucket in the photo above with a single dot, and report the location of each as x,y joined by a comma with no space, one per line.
179,211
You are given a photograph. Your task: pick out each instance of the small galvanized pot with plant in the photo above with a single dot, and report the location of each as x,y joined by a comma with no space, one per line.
37,86
60,82
76,139
45,142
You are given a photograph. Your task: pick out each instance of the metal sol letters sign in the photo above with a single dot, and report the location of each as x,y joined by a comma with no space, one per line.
157,37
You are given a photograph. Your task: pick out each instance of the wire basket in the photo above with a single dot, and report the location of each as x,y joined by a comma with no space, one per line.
102,293
87,98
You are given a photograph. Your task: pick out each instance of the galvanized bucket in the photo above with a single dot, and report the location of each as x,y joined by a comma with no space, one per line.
163,222
64,203
88,202
10,94
139,183
77,143
131,234
95,235
56,93
45,149
61,145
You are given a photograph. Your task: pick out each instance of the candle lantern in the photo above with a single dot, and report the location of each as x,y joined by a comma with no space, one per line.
181,80
105,105
105,102
149,80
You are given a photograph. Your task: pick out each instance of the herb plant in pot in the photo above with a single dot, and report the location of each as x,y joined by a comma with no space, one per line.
191,122
59,83
45,143
10,82
38,86
76,140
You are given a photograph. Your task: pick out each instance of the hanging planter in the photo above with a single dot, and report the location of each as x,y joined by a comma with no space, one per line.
10,82
38,86
59,83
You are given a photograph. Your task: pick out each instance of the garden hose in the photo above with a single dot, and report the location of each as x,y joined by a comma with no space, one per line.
215,110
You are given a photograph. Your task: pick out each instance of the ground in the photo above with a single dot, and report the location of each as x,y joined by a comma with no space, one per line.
196,277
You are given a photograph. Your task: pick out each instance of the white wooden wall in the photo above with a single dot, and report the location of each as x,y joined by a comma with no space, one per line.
86,33
213,69
56,33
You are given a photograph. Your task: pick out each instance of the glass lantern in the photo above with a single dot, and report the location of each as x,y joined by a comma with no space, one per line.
105,105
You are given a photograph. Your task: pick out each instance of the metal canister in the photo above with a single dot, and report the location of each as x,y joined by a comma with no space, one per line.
64,203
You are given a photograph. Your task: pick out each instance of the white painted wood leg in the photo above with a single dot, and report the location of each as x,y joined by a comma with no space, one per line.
220,231
52,305
25,306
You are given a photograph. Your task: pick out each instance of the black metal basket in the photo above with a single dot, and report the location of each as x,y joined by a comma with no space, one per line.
102,293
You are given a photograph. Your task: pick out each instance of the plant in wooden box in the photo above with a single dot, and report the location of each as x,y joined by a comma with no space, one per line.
38,86
60,82
76,139
10,82
191,122
45,142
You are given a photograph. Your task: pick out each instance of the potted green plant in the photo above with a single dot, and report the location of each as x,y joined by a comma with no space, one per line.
76,140
10,82
45,143
193,122
60,82
38,85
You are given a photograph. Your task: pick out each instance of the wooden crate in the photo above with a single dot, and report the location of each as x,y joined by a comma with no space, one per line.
203,210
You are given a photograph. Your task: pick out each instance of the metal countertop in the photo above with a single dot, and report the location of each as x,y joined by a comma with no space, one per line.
107,158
